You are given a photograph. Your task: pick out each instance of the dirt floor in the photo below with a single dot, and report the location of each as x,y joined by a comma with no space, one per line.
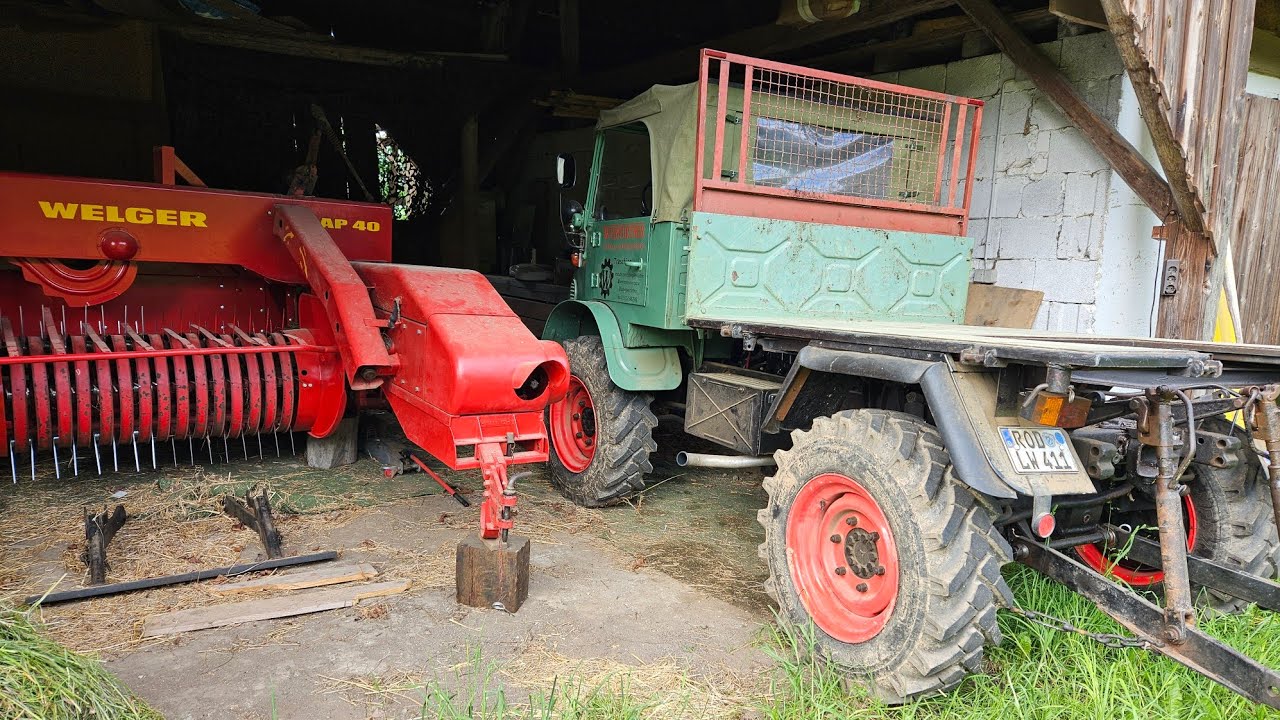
665,592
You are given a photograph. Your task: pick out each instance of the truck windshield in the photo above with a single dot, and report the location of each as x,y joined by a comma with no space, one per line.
625,189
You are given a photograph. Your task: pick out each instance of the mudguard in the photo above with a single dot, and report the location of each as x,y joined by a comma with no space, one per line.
960,437
643,369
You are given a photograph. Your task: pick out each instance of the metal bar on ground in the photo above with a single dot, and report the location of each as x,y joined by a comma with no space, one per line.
194,576
1242,585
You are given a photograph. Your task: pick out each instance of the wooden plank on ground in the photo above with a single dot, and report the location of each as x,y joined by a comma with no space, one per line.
330,575
994,306
302,603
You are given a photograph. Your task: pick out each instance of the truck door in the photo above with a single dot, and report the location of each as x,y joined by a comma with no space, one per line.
619,205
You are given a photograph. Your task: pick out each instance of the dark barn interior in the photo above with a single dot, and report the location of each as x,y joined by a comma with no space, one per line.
477,94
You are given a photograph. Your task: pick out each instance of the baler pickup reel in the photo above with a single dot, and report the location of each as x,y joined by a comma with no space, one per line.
1166,427
136,316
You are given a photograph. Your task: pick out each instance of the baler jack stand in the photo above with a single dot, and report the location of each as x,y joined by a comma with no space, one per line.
98,531
493,568
255,514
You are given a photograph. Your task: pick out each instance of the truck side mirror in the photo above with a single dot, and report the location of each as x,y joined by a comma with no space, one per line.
566,170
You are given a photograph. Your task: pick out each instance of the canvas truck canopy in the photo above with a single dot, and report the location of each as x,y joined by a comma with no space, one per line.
670,114
854,147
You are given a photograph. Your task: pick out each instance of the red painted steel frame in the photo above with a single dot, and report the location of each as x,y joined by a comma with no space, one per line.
464,355
344,295
738,197
174,224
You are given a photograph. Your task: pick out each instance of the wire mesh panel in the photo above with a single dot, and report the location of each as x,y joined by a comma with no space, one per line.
786,132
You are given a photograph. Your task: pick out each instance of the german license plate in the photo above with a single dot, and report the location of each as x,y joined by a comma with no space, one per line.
1038,450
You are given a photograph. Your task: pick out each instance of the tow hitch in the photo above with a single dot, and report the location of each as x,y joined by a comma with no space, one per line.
1171,630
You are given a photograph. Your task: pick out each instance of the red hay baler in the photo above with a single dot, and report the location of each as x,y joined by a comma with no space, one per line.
138,316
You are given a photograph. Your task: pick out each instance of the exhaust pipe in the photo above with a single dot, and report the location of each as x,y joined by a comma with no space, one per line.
688,459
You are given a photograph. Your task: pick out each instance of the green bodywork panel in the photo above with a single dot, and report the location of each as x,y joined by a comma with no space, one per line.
774,271
640,277
631,367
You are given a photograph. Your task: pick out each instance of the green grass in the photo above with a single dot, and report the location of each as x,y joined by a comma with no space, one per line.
41,680
481,696
1042,673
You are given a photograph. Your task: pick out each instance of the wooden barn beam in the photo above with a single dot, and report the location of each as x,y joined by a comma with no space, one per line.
304,46
1147,87
1123,157
1081,12
932,36
768,41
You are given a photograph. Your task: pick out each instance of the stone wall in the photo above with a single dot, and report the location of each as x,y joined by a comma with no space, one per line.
1046,207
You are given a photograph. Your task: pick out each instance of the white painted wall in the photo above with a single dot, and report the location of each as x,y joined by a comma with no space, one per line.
1263,85
1130,259
1047,209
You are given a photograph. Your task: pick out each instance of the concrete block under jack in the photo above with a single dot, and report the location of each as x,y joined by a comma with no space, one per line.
489,571
338,448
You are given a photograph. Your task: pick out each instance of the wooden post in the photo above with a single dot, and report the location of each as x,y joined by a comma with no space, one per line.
470,192
1189,311
336,449
491,571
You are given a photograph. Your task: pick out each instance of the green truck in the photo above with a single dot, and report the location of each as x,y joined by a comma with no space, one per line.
780,255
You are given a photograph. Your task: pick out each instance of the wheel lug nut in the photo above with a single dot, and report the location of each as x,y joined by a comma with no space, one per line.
879,569
875,536
582,403
841,571
577,435
577,416
862,587
835,538
851,521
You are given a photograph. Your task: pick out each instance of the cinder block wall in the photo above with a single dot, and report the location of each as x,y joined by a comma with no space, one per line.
1047,212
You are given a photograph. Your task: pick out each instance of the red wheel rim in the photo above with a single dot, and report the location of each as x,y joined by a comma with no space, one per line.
1132,573
846,573
573,427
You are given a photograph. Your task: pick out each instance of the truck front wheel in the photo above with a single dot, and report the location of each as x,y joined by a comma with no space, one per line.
601,435
870,538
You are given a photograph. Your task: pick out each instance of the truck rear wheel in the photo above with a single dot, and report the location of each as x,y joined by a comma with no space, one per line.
601,435
1228,519
870,537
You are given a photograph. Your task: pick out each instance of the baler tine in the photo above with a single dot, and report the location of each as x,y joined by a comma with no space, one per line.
273,313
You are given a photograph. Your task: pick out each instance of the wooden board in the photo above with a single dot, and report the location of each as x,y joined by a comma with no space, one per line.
302,603
330,575
995,306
